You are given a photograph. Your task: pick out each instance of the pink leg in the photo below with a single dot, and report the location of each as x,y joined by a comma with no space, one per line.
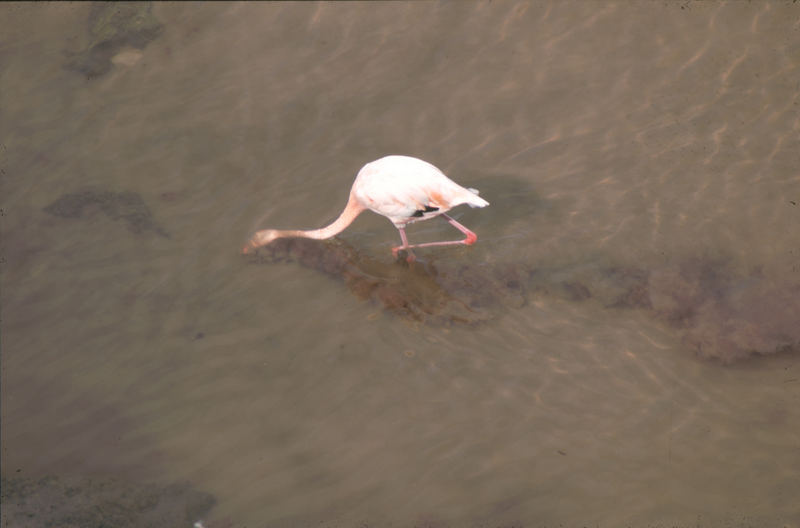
411,257
471,238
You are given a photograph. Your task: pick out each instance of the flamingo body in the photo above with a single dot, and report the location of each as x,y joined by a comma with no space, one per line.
406,190
401,188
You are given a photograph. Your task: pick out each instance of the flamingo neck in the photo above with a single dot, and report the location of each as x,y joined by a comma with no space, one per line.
351,211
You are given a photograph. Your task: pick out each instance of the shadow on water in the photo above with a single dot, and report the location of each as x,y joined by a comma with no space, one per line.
720,315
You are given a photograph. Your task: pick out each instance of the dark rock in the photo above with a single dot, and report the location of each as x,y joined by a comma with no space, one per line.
721,315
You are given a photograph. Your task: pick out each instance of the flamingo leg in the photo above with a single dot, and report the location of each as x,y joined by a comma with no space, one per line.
470,239
405,246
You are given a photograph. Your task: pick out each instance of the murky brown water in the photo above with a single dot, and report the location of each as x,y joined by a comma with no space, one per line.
657,137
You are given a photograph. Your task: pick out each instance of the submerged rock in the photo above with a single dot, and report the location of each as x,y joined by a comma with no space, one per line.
113,27
417,292
55,502
720,315
724,316
126,205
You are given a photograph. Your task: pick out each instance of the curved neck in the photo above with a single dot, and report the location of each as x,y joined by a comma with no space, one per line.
351,211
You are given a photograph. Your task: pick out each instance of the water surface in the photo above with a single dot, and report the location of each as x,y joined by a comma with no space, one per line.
137,343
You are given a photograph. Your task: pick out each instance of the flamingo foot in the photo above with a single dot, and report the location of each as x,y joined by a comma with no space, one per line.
409,255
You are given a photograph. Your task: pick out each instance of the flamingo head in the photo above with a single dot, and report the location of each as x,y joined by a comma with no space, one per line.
262,238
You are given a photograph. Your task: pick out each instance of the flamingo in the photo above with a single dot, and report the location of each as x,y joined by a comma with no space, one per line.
401,188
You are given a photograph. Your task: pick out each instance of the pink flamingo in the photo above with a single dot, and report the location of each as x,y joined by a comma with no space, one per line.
401,188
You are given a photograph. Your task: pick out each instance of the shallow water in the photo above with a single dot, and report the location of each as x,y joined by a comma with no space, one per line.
605,136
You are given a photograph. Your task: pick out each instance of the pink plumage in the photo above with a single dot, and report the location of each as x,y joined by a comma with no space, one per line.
401,188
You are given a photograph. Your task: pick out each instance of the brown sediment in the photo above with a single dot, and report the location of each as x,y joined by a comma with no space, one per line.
721,315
